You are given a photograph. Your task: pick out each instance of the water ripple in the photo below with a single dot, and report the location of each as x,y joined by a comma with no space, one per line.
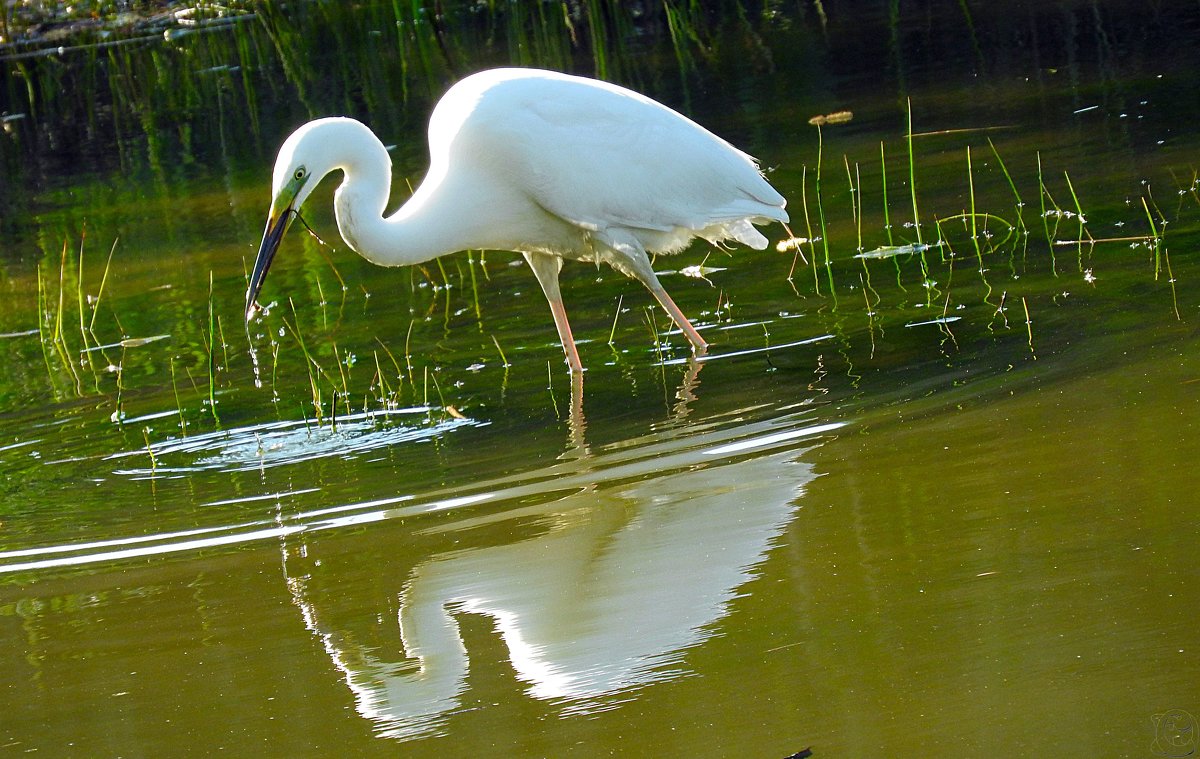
651,457
273,444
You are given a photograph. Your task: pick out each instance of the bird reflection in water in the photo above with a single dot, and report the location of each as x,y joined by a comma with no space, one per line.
625,561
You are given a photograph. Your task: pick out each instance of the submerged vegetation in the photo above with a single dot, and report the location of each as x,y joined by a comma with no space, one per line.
972,238
902,217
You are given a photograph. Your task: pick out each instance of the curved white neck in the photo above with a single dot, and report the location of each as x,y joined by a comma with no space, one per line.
421,230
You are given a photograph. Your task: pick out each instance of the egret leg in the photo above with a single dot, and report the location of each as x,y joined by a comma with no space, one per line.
546,268
636,263
698,344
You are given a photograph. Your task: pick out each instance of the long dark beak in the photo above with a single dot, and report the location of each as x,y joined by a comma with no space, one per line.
277,225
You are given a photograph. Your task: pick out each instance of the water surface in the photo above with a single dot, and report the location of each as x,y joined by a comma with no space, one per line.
936,499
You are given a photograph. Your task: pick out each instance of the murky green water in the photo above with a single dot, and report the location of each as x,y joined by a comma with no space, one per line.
941,503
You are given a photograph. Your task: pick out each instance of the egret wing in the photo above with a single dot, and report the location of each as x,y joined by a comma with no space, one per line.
602,157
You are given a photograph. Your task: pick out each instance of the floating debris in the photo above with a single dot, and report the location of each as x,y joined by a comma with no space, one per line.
8,122
700,271
793,243
837,117
23,333
941,320
963,130
222,69
137,342
129,342
891,251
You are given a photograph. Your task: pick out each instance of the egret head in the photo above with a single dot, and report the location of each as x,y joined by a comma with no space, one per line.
303,160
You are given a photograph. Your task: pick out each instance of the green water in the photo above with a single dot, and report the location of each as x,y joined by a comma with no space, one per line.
936,504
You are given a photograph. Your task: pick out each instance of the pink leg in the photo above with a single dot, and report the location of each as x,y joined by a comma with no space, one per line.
680,320
564,334
639,266
546,268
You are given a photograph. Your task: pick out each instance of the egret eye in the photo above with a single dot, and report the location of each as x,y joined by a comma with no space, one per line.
301,173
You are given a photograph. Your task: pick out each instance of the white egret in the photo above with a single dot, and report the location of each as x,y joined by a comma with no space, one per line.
546,164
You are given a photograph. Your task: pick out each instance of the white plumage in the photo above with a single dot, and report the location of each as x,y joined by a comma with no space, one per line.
550,165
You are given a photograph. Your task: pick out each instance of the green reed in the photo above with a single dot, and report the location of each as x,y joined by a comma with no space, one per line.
887,218
310,365
178,403
974,227
612,333
1019,203
912,171
211,349
821,214
855,182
